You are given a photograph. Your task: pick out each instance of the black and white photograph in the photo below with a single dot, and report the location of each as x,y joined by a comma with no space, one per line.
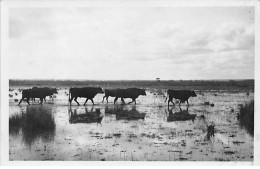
127,81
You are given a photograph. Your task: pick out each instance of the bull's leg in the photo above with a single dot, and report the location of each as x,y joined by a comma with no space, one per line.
115,100
27,100
44,99
85,101
188,102
70,100
103,99
180,103
170,100
20,101
75,99
107,99
92,102
122,99
41,100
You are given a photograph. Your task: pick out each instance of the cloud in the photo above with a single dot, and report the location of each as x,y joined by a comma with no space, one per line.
177,42
31,23
154,42
233,36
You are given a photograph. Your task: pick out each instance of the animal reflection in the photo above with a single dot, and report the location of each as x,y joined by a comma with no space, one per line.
182,115
122,113
87,117
37,122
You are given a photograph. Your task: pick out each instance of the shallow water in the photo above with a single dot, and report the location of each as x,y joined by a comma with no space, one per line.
143,132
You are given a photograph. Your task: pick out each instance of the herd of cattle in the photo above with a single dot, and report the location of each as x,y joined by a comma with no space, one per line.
90,92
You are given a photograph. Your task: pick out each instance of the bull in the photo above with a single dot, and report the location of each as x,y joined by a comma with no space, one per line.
132,93
87,92
182,95
109,92
49,92
40,93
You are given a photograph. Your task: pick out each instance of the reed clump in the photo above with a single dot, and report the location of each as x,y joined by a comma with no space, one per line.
246,117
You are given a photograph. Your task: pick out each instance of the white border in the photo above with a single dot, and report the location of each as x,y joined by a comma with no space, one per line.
257,85
5,5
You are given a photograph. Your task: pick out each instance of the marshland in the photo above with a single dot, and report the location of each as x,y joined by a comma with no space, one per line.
147,131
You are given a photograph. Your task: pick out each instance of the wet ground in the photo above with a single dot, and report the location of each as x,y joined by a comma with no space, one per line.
147,131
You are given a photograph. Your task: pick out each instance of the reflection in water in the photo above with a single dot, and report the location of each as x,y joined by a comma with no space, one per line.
87,117
122,113
182,115
36,123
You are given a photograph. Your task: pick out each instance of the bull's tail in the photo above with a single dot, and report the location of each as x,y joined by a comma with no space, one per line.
167,94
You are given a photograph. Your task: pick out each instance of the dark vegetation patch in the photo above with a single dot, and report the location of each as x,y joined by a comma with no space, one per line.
15,123
37,122
246,117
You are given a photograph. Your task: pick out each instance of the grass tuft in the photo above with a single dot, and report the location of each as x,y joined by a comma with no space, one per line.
246,117
37,122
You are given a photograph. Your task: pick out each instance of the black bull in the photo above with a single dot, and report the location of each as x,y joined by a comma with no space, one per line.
87,92
109,92
49,92
37,93
182,95
132,93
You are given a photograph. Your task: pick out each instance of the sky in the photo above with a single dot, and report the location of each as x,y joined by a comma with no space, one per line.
132,43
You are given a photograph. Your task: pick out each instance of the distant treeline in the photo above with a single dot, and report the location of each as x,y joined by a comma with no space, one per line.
194,84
